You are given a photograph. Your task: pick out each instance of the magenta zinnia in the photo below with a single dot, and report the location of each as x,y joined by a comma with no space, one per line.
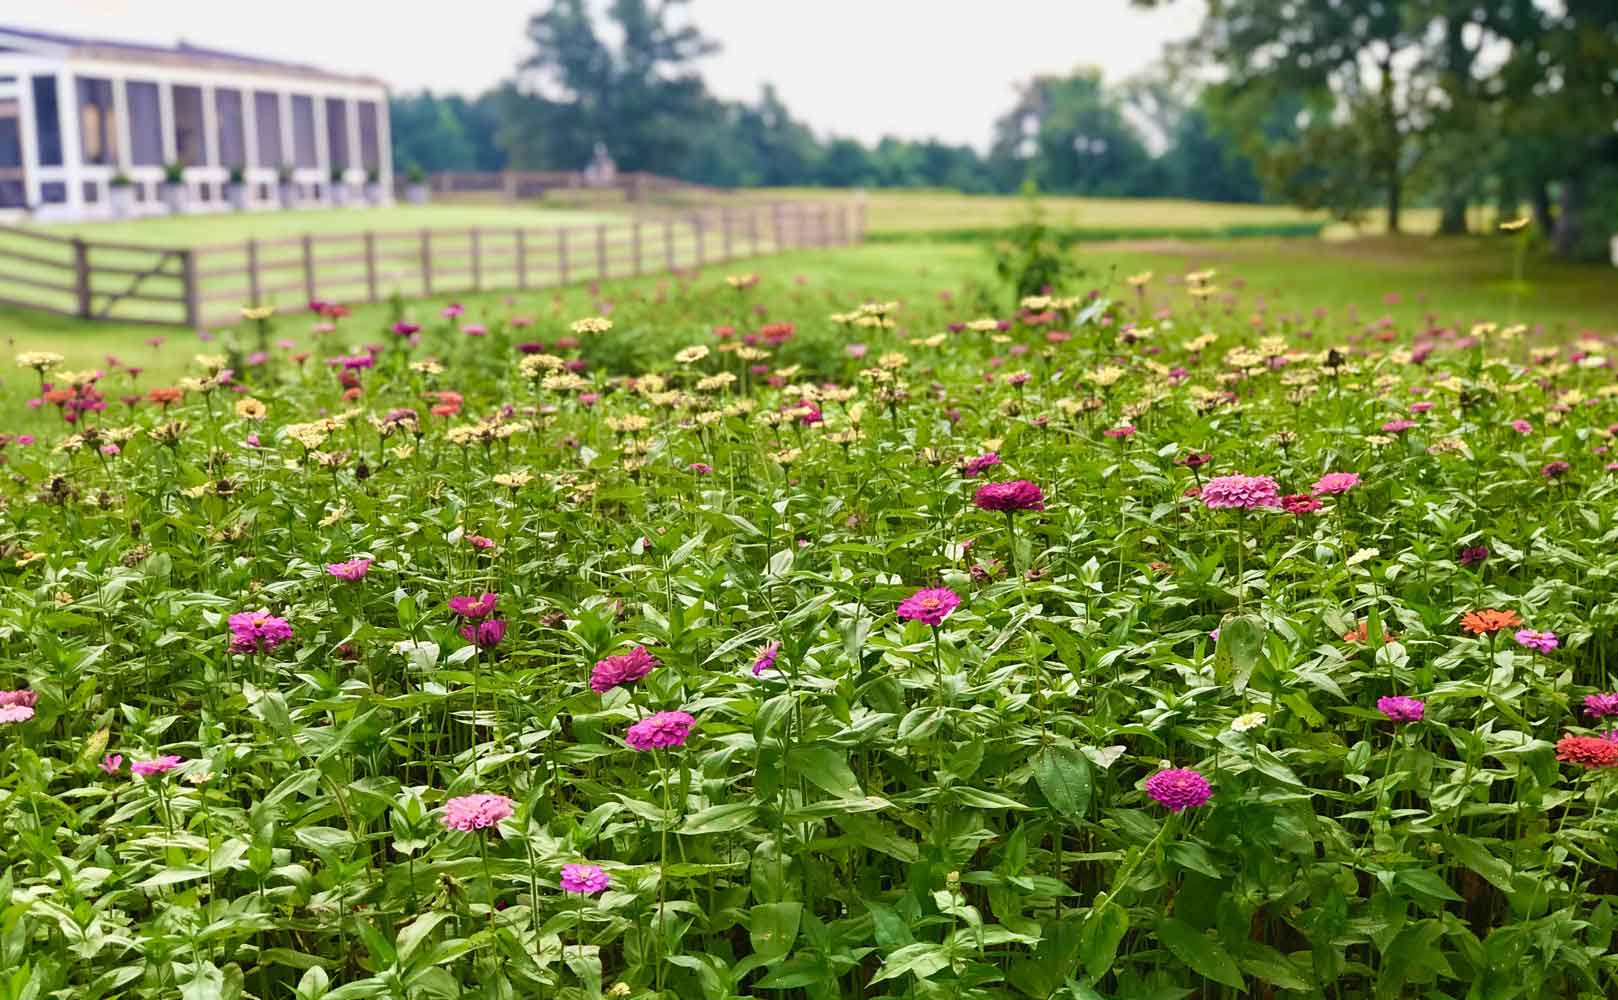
157,765
929,606
1539,642
621,670
484,634
665,729
766,658
1601,706
476,812
1178,788
1241,492
1018,494
257,632
584,880
1401,709
474,607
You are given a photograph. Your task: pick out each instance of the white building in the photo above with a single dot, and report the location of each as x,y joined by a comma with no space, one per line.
90,128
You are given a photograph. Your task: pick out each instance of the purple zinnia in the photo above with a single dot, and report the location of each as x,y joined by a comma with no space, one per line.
1474,554
1401,709
584,880
1601,706
1018,494
1539,642
766,658
665,729
621,670
929,606
1242,492
484,634
474,607
972,466
257,632
1178,788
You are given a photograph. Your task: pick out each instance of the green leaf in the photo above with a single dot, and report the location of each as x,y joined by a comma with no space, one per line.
827,769
1104,929
772,928
720,819
921,960
1238,650
1200,953
1063,774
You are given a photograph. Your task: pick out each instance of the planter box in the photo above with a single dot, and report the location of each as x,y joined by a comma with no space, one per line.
236,194
122,199
373,193
417,194
174,196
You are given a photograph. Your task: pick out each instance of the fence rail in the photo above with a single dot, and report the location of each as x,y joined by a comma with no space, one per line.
519,184
206,286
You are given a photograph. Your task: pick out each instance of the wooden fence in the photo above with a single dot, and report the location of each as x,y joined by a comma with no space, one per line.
515,185
205,286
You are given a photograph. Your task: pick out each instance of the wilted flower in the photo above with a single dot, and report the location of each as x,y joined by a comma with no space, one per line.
766,658
112,763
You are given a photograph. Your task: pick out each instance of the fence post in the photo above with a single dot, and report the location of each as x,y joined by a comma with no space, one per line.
81,276
522,260
309,267
254,291
601,251
188,282
509,178
635,237
476,246
426,262
370,266
561,254
668,242
724,221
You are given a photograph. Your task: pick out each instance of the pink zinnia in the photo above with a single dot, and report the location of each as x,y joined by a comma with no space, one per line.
1178,788
257,632
480,543
474,607
1522,426
1601,706
1398,426
929,606
1401,709
1299,503
24,697
1539,642
1123,431
584,880
665,729
972,466
476,812
15,713
1241,492
766,658
621,670
352,571
112,763
158,765
1335,482
484,634
1018,494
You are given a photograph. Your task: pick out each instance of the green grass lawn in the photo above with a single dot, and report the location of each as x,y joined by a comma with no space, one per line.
1457,281
236,227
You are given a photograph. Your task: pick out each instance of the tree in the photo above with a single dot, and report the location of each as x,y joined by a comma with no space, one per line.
1069,135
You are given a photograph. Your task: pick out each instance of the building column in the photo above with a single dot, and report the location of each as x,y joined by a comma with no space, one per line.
210,128
29,136
165,119
120,126
384,148
249,131
289,154
351,115
67,114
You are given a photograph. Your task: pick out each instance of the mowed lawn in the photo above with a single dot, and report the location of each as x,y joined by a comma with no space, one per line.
1410,281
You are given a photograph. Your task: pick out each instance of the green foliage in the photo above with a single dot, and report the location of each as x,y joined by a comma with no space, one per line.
1030,259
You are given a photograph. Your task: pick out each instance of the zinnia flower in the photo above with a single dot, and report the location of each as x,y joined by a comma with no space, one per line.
23,697
112,763
621,670
584,880
1401,709
1587,751
766,658
1473,554
352,571
15,713
1601,706
1398,426
1488,621
1018,494
1335,482
1539,642
157,765
473,607
484,634
665,729
972,466
929,606
1554,470
1178,788
1300,503
1242,492
476,812
257,632
1248,722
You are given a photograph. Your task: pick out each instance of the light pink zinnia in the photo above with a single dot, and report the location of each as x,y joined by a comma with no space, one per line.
157,765
1539,642
476,812
15,713
665,729
1335,482
352,571
24,697
1241,492
929,606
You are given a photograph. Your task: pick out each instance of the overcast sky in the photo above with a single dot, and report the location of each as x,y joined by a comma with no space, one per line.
865,68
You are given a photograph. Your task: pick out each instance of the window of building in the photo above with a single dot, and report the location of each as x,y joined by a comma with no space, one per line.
337,132
47,121
10,142
145,124
92,192
13,194
267,123
98,122
232,128
53,193
370,137
304,153
189,147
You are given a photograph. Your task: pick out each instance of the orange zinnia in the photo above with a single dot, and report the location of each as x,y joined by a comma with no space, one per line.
1488,621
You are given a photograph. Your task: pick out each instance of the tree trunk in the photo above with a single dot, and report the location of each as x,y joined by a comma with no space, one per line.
1507,202
1452,221
1395,191
1570,207
1543,219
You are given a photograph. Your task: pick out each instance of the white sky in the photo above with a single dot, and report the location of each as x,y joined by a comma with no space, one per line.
865,68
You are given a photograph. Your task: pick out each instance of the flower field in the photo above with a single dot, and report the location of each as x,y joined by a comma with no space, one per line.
753,637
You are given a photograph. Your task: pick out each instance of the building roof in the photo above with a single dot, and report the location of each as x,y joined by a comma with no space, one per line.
182,53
